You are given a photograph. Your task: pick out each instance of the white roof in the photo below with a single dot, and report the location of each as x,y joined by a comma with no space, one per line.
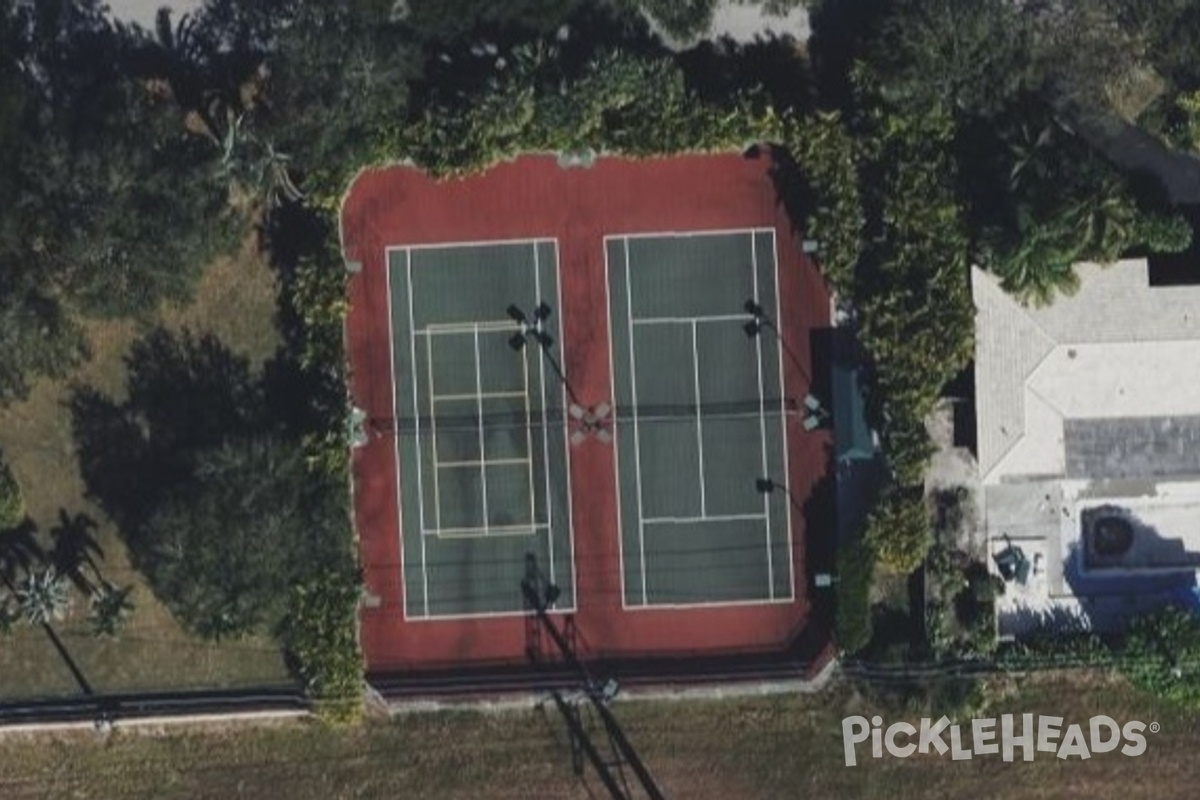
1119,348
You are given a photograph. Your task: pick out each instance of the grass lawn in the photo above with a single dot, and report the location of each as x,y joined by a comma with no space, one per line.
769,748
236,302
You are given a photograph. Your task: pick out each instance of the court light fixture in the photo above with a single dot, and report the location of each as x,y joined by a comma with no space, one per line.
765,485
754,326
532,329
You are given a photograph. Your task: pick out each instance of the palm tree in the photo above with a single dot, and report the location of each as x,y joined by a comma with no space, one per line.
254,166
111,607
43,596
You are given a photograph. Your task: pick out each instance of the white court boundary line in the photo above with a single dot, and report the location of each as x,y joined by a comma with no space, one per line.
637,443
537,290
387,274
752,233
495,462
408,250
707,518
616,439
566,443
762,419
483,488
417,414
699,420
783,432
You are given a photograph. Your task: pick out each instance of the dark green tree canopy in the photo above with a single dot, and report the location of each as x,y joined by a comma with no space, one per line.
224,550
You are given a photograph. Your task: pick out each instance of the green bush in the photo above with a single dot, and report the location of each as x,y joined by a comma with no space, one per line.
1161,654
852,610
319,632
914,299
827,158
223,549
1054,649
12,504
617,102
899,530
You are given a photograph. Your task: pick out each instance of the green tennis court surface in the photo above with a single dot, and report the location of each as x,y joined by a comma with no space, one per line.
480,444
700,404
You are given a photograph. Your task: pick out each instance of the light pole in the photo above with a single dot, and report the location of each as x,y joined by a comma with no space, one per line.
533,328
760,321
768,486
815,414
591,421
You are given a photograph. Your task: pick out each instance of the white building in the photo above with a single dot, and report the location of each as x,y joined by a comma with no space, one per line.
1088,414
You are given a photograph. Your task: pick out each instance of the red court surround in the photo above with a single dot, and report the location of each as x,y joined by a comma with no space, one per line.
534,197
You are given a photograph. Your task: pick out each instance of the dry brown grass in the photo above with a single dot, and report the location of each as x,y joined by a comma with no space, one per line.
236,302
753,749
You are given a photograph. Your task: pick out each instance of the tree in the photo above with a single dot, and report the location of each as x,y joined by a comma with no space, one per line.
318,631
1044,201
1169,31
913,297
855,576
899,530
110,608
223,549
43,596
973,55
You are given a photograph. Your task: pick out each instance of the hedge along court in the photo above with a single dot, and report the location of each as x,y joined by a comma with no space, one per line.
581,375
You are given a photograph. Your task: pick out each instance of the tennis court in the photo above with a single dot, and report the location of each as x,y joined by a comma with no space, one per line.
697,385
480,444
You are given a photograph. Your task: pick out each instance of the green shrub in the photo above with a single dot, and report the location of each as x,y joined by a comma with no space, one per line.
222,549
1161,654
827,158
1054,649
852,610
320,633
616,103
12,504
899,530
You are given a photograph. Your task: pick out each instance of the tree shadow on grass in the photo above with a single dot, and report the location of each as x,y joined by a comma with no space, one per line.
20,552
184,392
76,548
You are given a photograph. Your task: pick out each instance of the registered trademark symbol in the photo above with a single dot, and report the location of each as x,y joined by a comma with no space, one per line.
1155,727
